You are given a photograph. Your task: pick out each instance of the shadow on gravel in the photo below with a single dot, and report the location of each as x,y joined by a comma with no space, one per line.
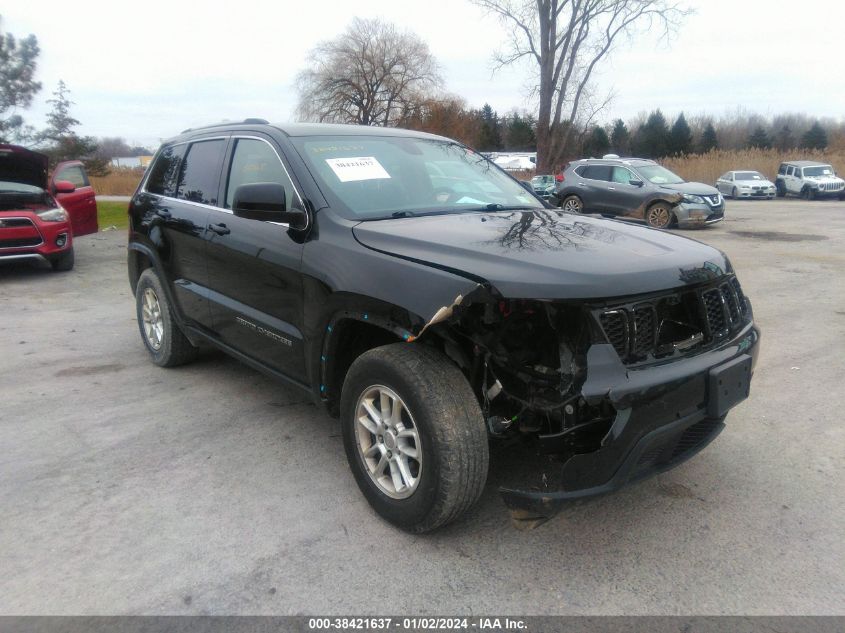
775,236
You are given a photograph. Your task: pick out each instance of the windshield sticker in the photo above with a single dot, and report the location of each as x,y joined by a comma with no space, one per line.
357,168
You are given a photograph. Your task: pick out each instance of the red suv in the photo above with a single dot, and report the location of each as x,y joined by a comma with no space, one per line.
38,219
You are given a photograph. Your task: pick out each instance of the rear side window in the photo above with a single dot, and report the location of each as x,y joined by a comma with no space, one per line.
595,172
255,161
162,180
74,174
199,177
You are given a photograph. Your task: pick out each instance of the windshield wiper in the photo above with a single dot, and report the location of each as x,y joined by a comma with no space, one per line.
495,206
402,214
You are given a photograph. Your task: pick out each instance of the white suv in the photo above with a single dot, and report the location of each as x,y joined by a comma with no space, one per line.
809,179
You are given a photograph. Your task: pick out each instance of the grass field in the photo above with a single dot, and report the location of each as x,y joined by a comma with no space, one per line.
112,214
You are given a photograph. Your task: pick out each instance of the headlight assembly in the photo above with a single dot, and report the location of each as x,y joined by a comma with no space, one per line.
53,215
693,199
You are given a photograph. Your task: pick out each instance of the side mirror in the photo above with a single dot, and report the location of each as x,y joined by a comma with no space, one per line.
636,183
64,186
267,202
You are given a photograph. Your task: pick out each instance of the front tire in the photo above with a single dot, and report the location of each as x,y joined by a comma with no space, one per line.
63,262
659,216
572,204
780,188
414,436
734,194
165,342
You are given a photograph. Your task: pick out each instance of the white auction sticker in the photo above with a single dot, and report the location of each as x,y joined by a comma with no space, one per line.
357,168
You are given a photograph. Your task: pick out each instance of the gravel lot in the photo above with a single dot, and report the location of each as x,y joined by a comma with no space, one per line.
126,488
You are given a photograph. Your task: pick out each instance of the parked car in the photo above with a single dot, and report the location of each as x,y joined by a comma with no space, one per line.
640,189
544,186
80,202
809,179
327,257
745,184
33,225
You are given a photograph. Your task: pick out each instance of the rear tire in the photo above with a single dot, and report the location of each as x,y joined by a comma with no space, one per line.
165,342
63,262
438,420
572,204
659,215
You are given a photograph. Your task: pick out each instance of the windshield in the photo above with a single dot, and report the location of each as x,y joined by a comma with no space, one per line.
821,170
18,187
377,177
749,175
542,180
660,175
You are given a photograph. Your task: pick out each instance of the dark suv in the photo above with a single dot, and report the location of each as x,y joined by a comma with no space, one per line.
640,189
440,310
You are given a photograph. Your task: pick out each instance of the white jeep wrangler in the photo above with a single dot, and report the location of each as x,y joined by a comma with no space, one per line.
809,179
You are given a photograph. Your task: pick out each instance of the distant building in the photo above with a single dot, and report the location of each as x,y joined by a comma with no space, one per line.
131,161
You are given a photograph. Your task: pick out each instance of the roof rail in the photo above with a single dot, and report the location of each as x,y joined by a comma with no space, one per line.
249,121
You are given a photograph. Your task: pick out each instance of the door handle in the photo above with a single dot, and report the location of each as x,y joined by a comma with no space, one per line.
611,188
164,214
220,229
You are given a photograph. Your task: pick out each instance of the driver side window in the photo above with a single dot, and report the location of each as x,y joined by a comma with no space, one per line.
623,175
255,161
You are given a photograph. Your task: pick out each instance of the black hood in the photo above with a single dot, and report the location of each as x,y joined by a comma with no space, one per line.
547,254
18,164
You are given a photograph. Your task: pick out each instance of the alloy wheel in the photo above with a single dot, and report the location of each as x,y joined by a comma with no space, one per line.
573,205
152,319
388,442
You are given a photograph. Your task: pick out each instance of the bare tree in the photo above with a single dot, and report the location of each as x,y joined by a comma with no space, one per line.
567,40
372,74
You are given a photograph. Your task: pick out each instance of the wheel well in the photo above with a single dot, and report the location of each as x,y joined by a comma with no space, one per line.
138,263
350,338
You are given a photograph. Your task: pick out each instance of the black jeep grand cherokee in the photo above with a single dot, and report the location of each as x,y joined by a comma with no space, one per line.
440,310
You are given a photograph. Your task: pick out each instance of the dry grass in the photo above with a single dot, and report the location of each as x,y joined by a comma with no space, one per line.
708,167
120,182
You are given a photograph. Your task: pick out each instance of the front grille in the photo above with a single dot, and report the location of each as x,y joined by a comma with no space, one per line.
675,323
713,306
693,437
12,223
714,200
615,326
20,243
831,186
644,329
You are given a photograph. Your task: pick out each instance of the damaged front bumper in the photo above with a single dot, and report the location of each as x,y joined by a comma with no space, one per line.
664,415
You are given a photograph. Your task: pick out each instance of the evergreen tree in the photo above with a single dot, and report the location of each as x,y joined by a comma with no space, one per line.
759,139
490,134
17,83
680,138
815,137
620,138
597,144
519,134
652,139
785,139
709,139
61,142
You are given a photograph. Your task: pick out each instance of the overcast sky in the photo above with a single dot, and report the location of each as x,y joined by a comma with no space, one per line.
147,69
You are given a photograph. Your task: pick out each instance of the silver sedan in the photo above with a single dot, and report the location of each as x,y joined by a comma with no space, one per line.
745,184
